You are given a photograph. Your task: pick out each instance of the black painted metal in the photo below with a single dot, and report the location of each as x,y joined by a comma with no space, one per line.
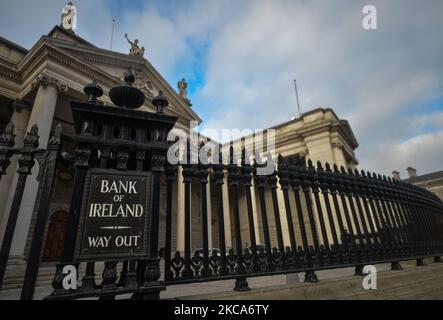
26,163
132,141
47,172
341,218
368,219
236,259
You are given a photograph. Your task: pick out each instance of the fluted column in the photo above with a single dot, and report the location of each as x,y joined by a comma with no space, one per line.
42,114
283,217
180,211
227,212
209,204
255,214
20,118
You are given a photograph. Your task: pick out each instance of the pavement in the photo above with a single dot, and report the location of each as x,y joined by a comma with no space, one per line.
186,290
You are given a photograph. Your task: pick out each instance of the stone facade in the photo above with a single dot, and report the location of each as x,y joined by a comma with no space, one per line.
37,85
431,181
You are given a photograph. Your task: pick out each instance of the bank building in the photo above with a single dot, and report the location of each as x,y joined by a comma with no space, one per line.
36,87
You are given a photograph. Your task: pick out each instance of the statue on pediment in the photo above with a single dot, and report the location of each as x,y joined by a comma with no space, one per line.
182,86
183,89
69,17
135,49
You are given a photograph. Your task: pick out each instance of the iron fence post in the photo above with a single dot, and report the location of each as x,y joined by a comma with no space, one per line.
26,163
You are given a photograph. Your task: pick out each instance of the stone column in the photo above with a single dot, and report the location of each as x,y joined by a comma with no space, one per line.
255,213
180,211
42,114
283,217
227,213
20,118
209,204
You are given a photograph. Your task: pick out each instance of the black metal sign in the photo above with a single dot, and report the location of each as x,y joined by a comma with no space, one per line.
115,215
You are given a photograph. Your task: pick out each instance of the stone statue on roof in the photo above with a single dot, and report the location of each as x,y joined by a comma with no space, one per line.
135,49
183,87
69,17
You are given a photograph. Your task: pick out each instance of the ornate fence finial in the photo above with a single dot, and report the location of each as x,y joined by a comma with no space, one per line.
160,102
310,165
7,139
335,168
327,167
231,154
93,91
32,136
220,157
188,152
244,157
127,96
56,138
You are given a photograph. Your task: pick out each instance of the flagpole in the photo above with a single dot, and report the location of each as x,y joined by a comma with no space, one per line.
112,33
296,94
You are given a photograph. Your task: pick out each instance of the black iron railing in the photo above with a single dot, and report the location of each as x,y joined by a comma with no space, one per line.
308,218
336,218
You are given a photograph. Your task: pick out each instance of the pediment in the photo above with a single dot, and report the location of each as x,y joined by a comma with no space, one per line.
115,64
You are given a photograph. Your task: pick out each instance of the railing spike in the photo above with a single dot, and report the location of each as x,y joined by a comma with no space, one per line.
327,166
231,154
310,163
220,157
243,156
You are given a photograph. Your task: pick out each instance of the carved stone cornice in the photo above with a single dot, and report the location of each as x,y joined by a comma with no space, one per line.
45,81
10,74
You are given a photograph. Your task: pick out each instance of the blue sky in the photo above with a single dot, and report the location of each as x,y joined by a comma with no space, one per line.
240,59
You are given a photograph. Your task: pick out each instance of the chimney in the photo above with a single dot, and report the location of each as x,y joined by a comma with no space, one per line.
396,175
412,172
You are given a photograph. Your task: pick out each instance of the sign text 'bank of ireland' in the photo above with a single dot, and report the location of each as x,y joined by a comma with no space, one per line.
114,215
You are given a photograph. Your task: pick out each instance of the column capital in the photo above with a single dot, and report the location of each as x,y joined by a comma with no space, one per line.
337,144
45,81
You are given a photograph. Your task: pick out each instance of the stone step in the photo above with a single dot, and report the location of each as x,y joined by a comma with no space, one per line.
14,277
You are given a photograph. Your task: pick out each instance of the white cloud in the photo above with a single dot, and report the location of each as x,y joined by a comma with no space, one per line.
378,80
423,152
